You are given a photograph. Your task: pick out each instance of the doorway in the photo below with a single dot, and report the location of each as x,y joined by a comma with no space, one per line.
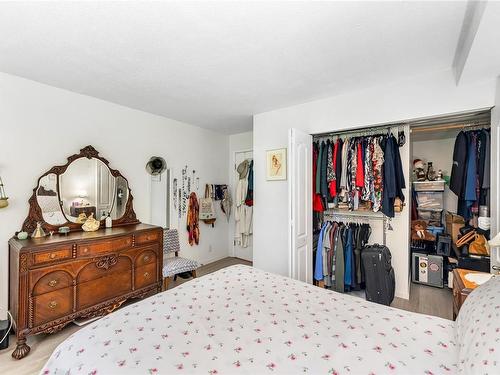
240,250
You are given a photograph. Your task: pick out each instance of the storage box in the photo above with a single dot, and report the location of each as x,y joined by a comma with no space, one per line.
431,216
428,185
453,224
430,199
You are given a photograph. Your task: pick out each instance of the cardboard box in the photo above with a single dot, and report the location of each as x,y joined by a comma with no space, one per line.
453,224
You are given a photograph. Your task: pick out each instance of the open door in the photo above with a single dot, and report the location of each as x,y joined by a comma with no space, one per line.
300,205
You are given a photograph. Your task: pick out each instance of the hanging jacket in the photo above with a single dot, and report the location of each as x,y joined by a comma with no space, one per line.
458,169
393,177
317,203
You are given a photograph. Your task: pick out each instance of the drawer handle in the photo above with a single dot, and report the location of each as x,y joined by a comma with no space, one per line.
146,275
85,249
146,258
52,304
52,255
53,283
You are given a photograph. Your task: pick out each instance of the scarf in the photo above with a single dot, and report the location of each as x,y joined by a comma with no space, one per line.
193,213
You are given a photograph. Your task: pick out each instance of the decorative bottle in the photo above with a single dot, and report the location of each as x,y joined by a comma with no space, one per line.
109,221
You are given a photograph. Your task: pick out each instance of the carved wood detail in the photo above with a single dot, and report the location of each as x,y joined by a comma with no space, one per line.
106,262
35,212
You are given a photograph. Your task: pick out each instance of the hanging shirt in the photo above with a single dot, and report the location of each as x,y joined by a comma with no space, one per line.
318,267
393,177
338,162
324,177
348,257
360,175
339,260
318,168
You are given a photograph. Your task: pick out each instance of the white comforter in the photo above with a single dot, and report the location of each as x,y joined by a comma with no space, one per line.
240,320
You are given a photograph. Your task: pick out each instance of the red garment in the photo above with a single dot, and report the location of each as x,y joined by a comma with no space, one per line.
333,183
317,202
360,168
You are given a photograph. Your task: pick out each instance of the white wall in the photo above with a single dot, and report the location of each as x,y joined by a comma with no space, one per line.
237,142
410,99
41,125
440,152
495,171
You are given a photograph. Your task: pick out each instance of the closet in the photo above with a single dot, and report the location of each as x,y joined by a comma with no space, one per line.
450,197
358,184
352,200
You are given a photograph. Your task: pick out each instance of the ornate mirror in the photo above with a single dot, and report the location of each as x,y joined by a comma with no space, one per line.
66,195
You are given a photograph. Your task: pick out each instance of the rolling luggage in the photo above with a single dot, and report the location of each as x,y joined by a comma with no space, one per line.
379,274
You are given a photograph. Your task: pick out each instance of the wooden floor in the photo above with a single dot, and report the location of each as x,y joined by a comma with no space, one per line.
428,300
423,299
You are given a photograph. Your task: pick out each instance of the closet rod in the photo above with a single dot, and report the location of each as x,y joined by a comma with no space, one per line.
377,130
352,214
449,127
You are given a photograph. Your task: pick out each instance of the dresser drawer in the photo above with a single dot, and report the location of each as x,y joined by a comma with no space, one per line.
145,275
147,237
145,257
108,287
52,281
101,247
103,267
53,255
53,305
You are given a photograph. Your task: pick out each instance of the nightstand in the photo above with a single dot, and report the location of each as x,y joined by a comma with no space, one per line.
461,288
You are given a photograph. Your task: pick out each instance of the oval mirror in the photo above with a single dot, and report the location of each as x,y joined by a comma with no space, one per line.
87,188
66,195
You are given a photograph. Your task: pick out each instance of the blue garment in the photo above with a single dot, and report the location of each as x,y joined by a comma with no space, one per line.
348,258
471,177
318,267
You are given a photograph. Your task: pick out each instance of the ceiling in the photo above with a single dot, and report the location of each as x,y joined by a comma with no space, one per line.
215,64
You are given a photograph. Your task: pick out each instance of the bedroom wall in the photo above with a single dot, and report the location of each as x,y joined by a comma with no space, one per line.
41,125
417,97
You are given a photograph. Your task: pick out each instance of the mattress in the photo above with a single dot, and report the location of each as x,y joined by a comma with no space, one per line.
241,320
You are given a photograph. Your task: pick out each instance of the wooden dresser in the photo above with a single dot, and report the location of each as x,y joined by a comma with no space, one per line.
54,280
461,288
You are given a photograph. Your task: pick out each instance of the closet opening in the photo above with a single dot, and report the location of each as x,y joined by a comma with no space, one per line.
406,187
450,198
354,223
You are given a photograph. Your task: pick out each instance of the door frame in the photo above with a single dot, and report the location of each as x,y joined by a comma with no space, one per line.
233,186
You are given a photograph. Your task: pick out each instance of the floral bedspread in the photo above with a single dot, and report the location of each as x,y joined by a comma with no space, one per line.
241,320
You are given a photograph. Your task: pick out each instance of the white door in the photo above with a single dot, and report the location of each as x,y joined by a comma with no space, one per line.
245,253
300,205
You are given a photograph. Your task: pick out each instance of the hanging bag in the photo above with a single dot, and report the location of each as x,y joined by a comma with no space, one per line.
207,208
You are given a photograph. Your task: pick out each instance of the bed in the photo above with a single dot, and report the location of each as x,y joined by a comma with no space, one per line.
241,320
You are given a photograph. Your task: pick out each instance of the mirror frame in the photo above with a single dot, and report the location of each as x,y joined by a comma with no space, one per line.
35,212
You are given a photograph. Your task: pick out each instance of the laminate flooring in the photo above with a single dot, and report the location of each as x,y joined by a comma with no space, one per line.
423,299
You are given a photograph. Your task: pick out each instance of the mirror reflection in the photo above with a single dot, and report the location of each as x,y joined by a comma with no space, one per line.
48,200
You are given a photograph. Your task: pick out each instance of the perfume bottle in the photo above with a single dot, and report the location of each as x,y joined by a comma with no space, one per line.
109,221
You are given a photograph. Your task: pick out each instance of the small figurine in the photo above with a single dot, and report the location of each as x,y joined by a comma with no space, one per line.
418,167
81,218
91,224
38,232
431,173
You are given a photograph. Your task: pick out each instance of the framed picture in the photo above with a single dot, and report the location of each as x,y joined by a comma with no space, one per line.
276,164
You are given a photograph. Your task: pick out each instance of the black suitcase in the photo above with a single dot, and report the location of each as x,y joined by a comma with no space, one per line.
379,274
